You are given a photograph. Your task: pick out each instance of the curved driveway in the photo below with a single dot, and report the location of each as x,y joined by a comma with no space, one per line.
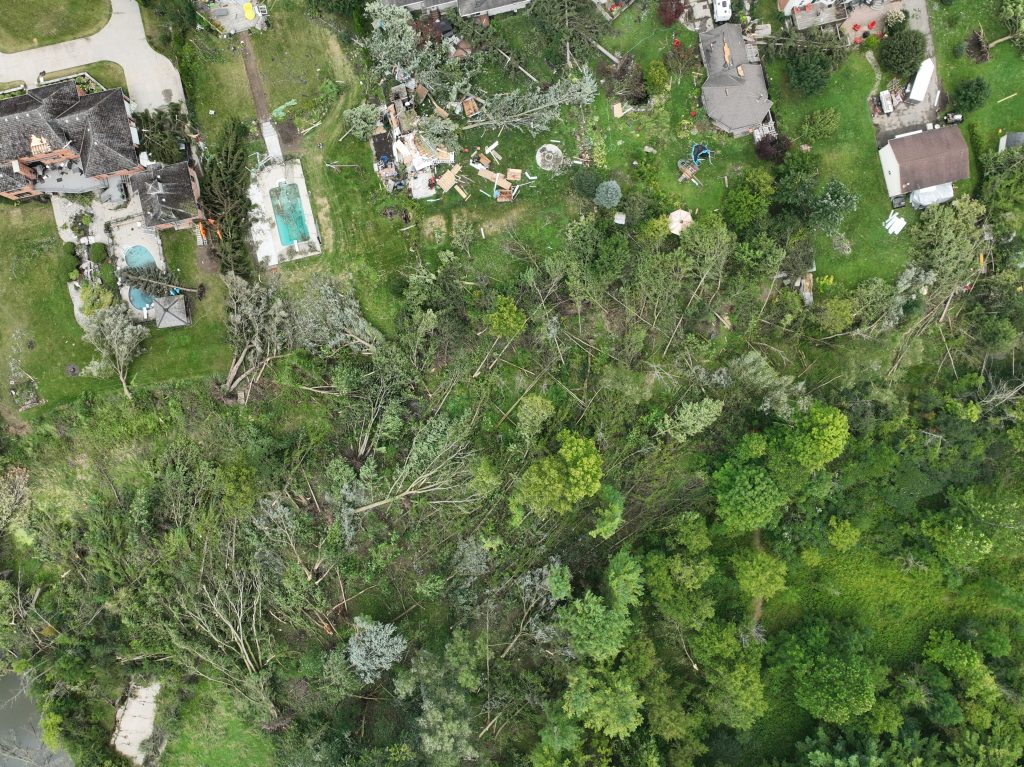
152,80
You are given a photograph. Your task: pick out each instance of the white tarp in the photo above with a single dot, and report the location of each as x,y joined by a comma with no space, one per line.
922,80
931,195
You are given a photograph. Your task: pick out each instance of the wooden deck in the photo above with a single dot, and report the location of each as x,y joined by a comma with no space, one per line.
819,15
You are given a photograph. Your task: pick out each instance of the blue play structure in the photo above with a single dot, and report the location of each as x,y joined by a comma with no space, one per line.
699,153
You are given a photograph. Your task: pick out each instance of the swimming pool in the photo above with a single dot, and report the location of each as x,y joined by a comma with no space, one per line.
291,221
139,255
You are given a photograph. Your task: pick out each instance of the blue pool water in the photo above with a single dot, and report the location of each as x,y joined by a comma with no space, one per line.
291,221
139,255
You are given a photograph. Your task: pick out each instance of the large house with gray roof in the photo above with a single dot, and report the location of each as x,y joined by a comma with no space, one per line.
467,8
735,94
57,139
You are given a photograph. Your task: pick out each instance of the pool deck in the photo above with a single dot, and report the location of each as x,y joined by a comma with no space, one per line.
126,229
269,249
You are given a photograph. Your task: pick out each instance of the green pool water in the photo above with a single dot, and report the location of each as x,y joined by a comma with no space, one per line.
291,221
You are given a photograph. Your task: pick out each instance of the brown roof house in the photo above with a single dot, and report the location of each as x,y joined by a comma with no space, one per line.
925,164
56,139
168,195
735,93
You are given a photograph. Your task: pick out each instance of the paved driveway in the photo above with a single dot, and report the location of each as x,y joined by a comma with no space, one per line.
152,80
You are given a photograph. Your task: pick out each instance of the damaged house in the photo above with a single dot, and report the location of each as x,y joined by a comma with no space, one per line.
735,93
403,158
55,139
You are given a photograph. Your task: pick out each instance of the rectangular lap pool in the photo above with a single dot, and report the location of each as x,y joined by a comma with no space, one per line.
291,221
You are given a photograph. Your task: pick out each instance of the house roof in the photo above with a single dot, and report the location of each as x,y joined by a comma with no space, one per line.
1011,140
166,194
928,158
170,312
735,93
476,7
11,180
96,126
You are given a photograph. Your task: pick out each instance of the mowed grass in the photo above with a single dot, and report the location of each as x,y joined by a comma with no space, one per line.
221,89
28,24
106,73
1004,71
295,57
39,332
213,730
852,158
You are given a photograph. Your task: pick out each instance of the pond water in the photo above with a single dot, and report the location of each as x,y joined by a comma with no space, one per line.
19,721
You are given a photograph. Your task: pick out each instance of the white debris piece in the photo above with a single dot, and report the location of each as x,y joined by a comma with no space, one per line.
135,722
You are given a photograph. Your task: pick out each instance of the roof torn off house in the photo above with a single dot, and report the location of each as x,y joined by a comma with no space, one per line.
405,159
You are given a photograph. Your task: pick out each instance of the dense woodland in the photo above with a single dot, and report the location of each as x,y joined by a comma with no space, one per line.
637,505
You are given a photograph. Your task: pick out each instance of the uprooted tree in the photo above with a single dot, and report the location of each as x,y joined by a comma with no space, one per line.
534,110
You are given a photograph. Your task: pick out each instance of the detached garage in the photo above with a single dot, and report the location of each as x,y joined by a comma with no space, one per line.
925,164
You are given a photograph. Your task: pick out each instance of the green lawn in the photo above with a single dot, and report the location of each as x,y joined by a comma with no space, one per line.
39,330
296,57
851,157
106,73
1004,71
213,731
221,86
33,23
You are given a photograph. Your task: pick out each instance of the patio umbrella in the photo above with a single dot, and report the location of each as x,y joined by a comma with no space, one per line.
678,220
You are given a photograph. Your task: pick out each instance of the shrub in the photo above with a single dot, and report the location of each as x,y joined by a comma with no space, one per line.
773,148
68,259
971,94
657,77
902,52
608,194
809,71
895,20
98,253
108,275
669,11
585,181
820,124
95,297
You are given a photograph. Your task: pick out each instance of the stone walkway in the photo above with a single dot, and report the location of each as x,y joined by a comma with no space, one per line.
152,80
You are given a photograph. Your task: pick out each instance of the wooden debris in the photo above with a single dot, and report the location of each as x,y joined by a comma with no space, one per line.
489,175
506,195
461,192
501,182
469,107
514,174
617,110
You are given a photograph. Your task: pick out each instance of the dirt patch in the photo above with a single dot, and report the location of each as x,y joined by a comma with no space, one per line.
252,71
325,221
289,135
434,228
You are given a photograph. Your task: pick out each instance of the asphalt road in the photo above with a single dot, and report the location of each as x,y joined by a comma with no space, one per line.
152,80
